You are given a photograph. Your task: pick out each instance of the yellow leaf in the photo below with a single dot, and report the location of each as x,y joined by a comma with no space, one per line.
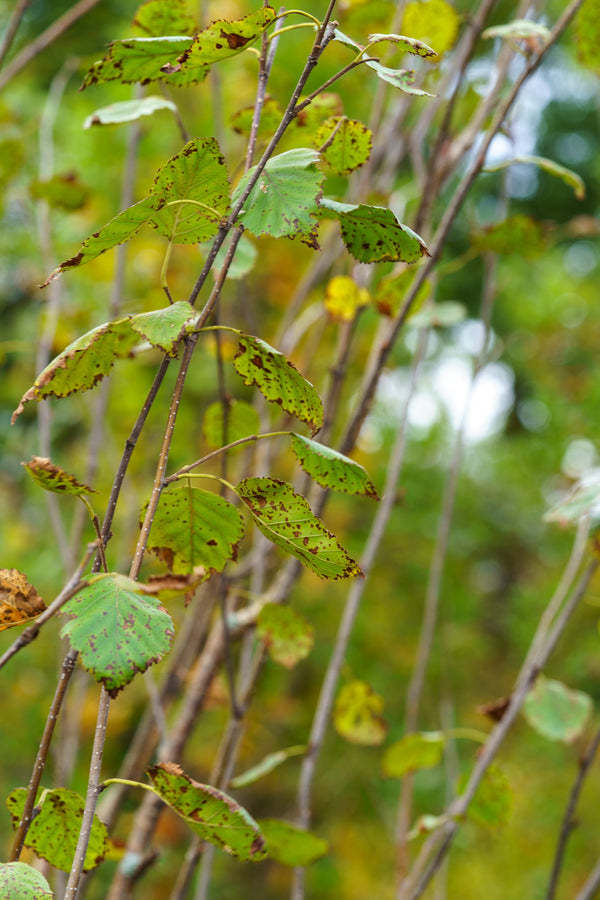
343,298
433,21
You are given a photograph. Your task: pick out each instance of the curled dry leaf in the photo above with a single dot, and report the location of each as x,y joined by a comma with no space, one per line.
52,478
170,584
19,600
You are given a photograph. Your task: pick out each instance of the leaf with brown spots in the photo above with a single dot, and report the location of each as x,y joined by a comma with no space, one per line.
344,143
54,831
278,380
213,815
117,630
288,521
83,364
374,234
19,600
287,635
219,41
193,527
193,193
357,714
52,478
332,469
285,199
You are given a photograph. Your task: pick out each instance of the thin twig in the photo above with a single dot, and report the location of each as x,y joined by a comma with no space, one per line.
351,607
590,888
436,568
42,755
438,844
91,798
12,28
373,374
568,822
22,59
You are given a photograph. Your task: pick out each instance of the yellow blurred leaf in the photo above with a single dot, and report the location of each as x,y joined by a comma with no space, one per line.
433,21
343,298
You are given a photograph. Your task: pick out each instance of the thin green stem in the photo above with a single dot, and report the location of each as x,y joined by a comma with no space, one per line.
204,459
289,28
129,783
297,12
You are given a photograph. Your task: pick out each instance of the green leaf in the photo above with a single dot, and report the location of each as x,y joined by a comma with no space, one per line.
198,176
492,803
83,364
54,831
270,117
405,44
164,328
210,813
555,711
62,191
286,634
158,18
287,520
22,882
117,630
587,35
284,201
193,527
138,59
332,469
517,234
374,234
242,421
120,229
344,143
404,79
51,477
413,752
570,177
270,762
242,262
278,380
219,41
518,29
291,845
357,714
581,501
128,111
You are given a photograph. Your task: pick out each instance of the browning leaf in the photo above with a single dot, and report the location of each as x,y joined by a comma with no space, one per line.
19,600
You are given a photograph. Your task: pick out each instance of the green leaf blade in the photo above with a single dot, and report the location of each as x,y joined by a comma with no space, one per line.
286,634
137,59
413,752
286,519
117,629
210,813
220,40
197,176
374,234
332,469
128,111
119,230
54,832
278,380
555,711
291,845
22,882
83,363
193,528
349,143
164,328
357,715
284,201
158,18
